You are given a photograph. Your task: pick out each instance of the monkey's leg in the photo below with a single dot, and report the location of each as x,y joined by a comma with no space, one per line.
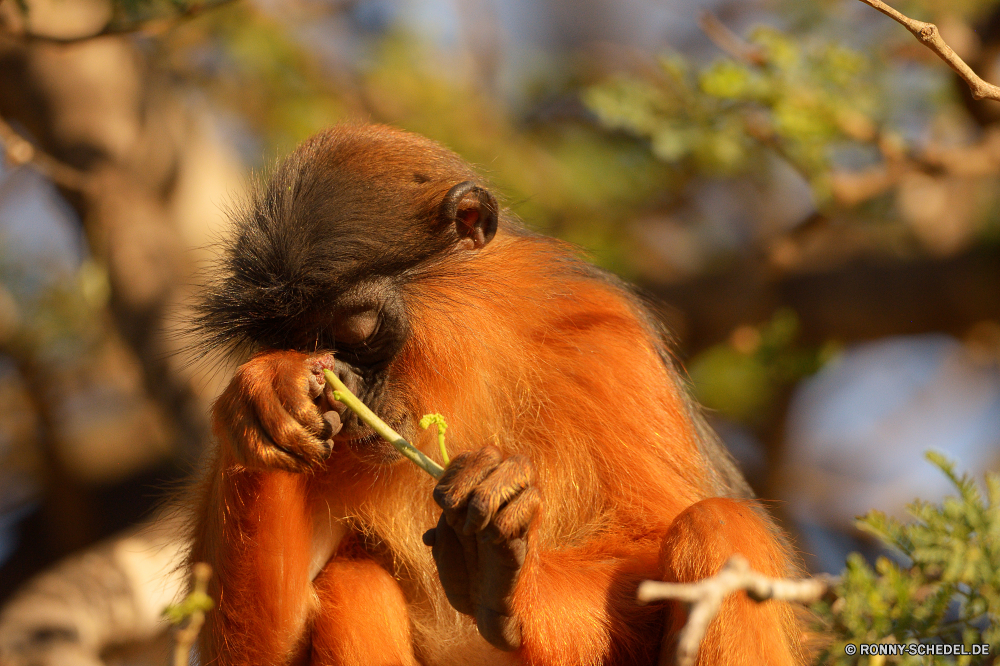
255,531
700,540
362,618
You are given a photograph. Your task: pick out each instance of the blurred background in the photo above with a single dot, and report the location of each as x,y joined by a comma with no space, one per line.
810,194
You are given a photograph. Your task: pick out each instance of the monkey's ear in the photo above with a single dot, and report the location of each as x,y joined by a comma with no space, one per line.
473,211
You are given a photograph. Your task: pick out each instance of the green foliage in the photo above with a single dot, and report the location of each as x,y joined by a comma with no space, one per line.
255,66
948,590
194,602
741,377
805,97
796,97
131,13
568,179
53,319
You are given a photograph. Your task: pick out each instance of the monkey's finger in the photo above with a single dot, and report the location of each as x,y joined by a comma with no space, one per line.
239,431
270,385
289,435
500,569
290,418
277,457
316,381
450,557
295,391
314,385
501,631
333,420
466,471
514,520
270,454
256,449
501,562
507,480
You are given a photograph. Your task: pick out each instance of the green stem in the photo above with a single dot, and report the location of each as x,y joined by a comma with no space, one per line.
342,394
444,449
436,419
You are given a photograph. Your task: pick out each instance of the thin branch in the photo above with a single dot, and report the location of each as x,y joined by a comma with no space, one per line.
728,41
974,161
929,36
706,597
849,188
148,28
199,602
20,152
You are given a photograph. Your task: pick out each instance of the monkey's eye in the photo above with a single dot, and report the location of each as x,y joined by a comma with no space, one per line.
356,327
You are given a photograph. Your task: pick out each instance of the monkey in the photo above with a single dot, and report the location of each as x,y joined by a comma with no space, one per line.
580,468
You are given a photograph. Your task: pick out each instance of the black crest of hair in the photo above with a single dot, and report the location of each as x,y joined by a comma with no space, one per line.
351,204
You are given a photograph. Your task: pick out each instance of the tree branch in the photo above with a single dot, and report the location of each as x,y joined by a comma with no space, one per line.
728,41
929,36
149,28
706,597
199,603
20,151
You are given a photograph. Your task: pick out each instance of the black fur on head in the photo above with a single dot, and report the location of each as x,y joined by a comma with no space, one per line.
354,208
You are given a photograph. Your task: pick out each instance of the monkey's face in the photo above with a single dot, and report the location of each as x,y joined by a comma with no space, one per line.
321,260
364,328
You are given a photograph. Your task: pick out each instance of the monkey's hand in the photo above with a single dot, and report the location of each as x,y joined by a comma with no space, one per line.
277,412
483,537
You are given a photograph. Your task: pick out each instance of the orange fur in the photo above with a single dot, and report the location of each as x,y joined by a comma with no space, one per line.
699,542
363,619
521,347
256,532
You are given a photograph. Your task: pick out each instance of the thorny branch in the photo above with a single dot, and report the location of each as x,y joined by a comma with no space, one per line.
706,597
929,35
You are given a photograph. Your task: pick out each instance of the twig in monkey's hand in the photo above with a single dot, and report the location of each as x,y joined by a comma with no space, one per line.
193,609
706,597
342,394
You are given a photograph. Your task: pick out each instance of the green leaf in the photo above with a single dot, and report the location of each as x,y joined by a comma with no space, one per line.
726,79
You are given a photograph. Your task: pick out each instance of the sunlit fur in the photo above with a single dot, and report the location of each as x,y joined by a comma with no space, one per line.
523,346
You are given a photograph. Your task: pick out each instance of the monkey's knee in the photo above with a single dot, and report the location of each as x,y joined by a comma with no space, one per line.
699,542
362,619
706,534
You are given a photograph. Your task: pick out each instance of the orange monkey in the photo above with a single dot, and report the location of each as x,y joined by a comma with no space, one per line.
582,469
